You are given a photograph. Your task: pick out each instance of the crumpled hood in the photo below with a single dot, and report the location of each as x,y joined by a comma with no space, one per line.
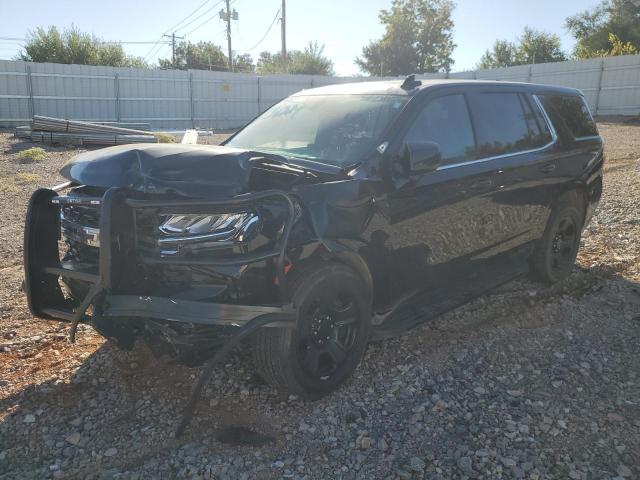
190,170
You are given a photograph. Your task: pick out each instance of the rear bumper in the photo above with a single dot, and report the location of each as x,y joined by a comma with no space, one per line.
43,267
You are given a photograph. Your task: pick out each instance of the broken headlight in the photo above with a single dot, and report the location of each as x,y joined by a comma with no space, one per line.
202,231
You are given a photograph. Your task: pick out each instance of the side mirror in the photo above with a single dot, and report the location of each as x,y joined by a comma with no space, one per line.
423,157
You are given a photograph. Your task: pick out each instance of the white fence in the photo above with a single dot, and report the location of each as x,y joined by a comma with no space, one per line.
179,99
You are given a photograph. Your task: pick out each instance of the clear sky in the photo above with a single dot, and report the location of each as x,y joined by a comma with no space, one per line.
342,26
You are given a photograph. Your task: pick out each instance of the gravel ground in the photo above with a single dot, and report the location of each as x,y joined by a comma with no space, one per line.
530,381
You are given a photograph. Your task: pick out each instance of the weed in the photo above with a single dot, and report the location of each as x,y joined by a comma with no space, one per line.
33,154
27,177
163,137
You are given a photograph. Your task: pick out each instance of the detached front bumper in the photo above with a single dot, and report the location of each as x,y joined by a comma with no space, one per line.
43,267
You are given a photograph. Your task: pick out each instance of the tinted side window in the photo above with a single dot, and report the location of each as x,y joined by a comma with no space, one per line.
505,123
538,127
573,112
445,121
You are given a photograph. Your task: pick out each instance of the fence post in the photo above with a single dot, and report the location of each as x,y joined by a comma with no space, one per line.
530,75
599,87
116,86
259,99
32,110
191,109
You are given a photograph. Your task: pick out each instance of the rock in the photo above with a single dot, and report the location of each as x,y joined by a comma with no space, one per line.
614,417
73,439
365,443
416,464
624,471
383,445
29,418
278,464
111,452
465,464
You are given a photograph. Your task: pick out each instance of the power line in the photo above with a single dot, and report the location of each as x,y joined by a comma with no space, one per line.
201,25
266,33
200,16
188,16
154,50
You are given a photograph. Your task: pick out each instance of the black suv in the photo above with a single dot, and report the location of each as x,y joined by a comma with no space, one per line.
341,214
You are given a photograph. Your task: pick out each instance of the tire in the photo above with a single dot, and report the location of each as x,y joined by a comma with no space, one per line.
555,254
317,356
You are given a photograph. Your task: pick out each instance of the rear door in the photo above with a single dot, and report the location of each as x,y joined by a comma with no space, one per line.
516,148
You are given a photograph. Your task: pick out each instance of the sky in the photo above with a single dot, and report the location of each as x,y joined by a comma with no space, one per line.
343,26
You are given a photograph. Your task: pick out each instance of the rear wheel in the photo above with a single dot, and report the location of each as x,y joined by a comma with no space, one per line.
330,338
556,253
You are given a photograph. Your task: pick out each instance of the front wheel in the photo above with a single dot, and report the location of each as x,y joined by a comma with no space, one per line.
556,253
330,338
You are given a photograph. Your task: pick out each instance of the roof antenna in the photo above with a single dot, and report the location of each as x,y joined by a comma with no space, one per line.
410,82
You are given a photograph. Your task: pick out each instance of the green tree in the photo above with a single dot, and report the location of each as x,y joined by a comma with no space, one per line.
310,61
74,46
503,54
206,56
197,56
418,38
593,29
536,46
533,46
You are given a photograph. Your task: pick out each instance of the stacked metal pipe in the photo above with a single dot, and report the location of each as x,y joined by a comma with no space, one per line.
58,130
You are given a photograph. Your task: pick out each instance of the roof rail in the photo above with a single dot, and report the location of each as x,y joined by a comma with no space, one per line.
410,82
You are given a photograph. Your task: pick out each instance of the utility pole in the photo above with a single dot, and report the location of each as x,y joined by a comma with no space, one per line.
228,16
283,31
173,47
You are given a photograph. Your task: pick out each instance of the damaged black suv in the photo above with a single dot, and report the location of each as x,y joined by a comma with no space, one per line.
341,214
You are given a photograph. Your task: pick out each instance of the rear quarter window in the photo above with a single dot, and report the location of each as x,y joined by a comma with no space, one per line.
572,112
506,123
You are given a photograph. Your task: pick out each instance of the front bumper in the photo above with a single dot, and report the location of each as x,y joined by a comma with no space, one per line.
43,267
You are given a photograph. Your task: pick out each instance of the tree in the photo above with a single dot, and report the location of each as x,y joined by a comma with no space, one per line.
533,46
418,38
243,63
198,56
503,54
593,29
74,46
536,46
310,61
206,56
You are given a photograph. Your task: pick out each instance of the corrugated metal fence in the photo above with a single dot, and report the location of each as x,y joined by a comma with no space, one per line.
180,99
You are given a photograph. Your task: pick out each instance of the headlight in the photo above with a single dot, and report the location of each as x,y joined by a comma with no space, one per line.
206,231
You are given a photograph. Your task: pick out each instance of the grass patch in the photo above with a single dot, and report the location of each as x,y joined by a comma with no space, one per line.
27,177
8,185
33,154
163,137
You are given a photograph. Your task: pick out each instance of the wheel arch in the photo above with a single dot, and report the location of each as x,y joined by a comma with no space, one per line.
346,254
575,194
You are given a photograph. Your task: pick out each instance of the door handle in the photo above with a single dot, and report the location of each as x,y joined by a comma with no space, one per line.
548,168
483,184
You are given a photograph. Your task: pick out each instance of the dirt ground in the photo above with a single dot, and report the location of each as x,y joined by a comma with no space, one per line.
530,381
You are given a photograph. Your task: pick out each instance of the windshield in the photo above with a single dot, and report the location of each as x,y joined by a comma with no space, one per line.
334,129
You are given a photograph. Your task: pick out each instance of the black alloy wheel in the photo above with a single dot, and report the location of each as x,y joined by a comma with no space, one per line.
556,252
331,335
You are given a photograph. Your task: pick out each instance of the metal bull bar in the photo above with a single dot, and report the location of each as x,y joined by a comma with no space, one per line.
43,267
